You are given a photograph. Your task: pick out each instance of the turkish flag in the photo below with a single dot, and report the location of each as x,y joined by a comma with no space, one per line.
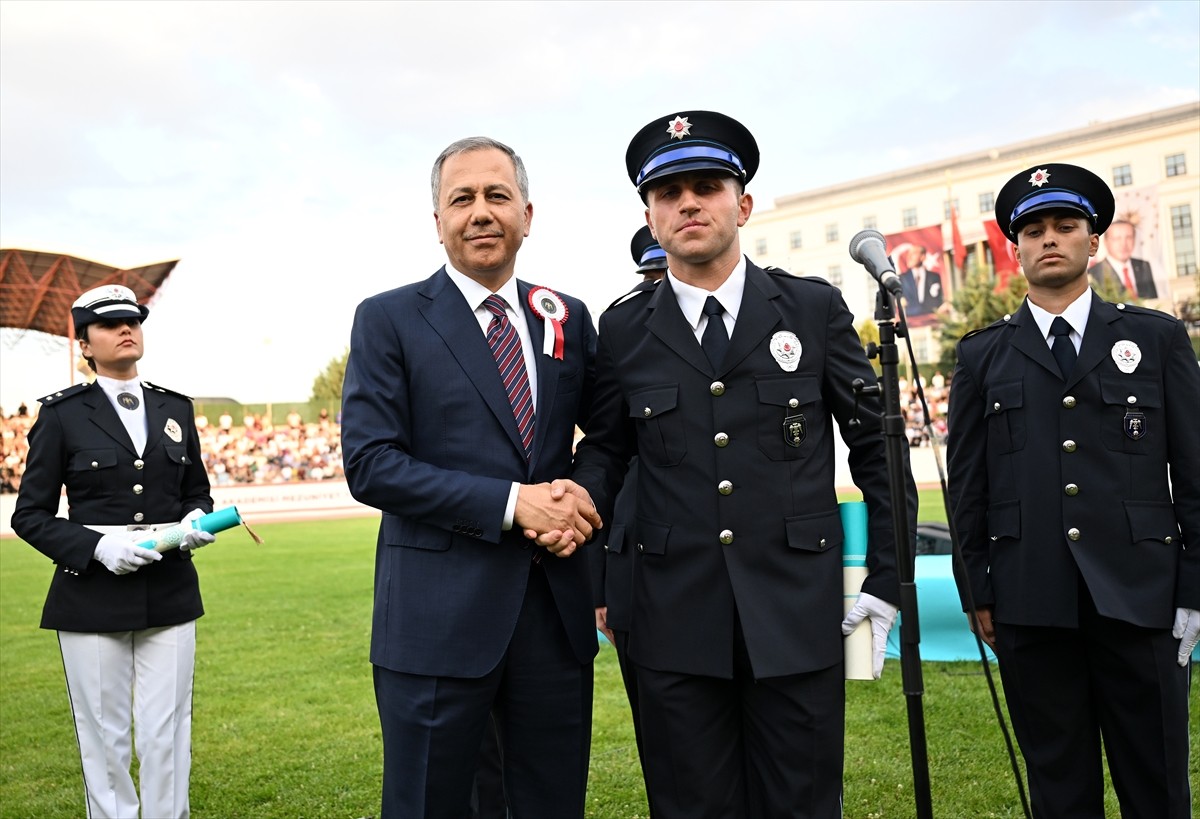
1004,254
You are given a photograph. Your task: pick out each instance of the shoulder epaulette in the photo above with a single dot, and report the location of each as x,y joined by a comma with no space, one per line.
779,271
1000,322
634,293
1139,310
55,397
147,385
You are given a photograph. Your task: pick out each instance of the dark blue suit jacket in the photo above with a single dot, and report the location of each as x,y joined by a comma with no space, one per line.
429,438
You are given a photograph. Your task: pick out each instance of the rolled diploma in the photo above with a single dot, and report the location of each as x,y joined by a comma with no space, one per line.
857,646
213,522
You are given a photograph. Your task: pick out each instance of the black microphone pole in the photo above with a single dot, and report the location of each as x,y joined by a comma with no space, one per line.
910,633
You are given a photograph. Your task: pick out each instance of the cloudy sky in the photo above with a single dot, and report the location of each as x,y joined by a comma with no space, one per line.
282,150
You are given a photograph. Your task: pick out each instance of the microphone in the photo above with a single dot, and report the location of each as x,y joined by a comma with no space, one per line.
868,249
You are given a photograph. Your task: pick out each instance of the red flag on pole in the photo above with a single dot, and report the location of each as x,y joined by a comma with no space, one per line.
960,250
1004,255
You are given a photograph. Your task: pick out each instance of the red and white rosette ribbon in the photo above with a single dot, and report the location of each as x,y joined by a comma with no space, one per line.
552,310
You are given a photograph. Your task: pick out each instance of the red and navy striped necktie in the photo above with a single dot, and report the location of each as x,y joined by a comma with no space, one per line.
510,359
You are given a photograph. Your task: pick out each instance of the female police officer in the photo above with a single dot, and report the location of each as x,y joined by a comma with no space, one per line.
128,454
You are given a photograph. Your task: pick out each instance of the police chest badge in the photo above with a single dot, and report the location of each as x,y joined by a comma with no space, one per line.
785,349
173,430
795,429
1127,355
1135,425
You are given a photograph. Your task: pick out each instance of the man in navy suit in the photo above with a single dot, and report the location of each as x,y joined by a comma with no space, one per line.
471,619
922,287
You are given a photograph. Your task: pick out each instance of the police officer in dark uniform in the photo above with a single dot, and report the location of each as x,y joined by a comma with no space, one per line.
612,566
735,631
129,456
1074,459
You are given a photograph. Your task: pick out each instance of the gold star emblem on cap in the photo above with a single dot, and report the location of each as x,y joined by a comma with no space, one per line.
1039,177
679,127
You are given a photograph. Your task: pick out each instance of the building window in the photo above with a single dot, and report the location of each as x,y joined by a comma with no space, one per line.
1122,176
987,202
797,240
870,223
835,275
1185,243
1176,165
948,207
909,217
760,247
831,233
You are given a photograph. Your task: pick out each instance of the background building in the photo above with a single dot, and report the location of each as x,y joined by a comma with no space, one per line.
1150,161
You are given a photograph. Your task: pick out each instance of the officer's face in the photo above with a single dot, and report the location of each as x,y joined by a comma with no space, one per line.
481,217
114,346
1053,248
695,216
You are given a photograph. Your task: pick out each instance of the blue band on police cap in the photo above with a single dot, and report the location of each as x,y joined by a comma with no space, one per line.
685,152
1054,196
653,252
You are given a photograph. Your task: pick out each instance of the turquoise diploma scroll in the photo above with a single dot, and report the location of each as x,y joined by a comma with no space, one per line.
213,522
857,646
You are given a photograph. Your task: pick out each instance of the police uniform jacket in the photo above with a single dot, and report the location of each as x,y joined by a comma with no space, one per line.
1053,479
79,442
737,515
430,439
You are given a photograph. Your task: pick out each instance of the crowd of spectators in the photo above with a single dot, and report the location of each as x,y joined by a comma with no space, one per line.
253,452
937,396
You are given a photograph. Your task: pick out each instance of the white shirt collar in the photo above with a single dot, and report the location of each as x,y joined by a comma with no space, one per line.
475,293
691,298
1076,314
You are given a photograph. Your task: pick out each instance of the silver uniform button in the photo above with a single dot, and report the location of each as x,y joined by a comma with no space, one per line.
793,403
721,439
1071,489
725,487
138,517
1168,540
139,463
1074,533
996,406
137,489
717,388
1069,446
822,543
1131,399
641,548
1069,402
95,464
647,412
1121,306
726,536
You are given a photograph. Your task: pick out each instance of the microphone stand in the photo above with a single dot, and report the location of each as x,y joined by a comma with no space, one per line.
910,633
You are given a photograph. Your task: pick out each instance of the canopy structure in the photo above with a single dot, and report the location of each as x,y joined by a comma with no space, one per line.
37,288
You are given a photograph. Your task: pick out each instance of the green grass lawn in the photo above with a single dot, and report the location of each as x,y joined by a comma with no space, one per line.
285,723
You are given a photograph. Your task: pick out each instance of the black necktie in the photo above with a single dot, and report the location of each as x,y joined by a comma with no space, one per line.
1063,349
715,338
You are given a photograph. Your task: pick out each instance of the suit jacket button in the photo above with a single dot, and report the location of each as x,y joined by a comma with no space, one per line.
793,403
822,543
1069,402
95,465
1168,540
1071,489
137,489
138,517
716,388
726,537
721,439
1074,534
725,487
1131,399
996,406
1069,446
641,548
139,464
647,412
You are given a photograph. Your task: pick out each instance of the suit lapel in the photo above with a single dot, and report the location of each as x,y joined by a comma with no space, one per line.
105,417
452,318
758,316
156,416
1098,338
1029,340
668,325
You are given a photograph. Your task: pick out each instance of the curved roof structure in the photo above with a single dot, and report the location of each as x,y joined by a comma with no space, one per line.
38,288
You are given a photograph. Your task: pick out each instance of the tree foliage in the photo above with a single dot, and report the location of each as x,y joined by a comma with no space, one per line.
327,386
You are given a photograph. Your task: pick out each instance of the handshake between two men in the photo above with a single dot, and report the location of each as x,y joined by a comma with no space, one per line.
559,516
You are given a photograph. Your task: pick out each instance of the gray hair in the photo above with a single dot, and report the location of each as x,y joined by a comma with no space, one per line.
478,143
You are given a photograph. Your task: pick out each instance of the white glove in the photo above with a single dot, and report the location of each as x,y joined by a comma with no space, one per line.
1187,632
122,555
195,538
882,614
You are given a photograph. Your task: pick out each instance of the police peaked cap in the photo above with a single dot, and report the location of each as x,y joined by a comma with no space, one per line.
647,252
690,141
107,303
1054,187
